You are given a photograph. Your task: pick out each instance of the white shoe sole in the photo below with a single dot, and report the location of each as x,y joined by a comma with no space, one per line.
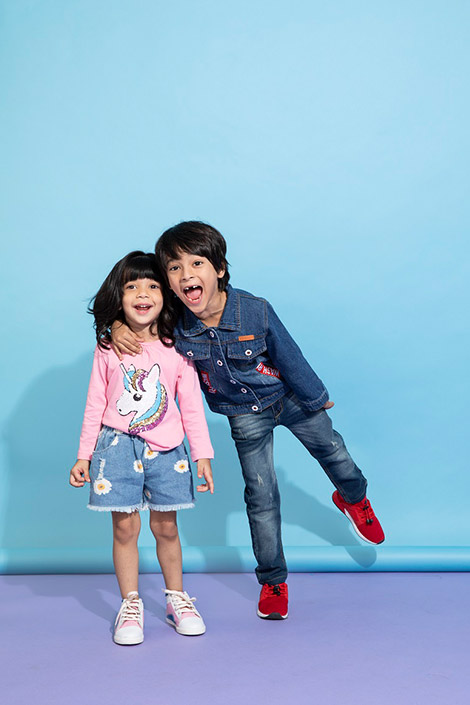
185,632
128,641
273,615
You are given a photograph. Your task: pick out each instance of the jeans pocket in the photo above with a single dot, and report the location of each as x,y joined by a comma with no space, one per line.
107,438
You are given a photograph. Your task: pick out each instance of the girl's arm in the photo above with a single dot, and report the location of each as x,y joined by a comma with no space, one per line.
194,421
124,341
95,405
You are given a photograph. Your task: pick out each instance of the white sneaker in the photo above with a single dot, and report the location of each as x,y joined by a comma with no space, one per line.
129,624
182,615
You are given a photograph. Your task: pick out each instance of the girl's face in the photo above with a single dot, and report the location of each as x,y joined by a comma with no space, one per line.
142,301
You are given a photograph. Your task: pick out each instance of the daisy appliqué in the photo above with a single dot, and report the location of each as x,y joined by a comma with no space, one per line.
102,486
149,454
138,467
181,466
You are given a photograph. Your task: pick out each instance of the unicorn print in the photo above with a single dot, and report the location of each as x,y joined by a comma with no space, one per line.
144,395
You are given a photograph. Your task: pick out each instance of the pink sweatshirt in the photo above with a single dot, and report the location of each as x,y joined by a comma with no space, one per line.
137,396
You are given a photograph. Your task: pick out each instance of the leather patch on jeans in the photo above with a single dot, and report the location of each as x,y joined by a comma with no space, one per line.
265,370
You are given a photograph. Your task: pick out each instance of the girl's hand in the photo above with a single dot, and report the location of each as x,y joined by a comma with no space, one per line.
124,341
80,473
328,405
204,470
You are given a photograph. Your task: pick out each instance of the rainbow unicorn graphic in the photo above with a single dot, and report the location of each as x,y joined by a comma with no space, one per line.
145,396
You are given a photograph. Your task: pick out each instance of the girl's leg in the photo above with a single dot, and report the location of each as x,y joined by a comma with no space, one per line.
126,529
165,530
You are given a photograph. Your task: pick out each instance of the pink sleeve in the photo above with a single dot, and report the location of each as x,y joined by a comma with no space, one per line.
192,411
95,405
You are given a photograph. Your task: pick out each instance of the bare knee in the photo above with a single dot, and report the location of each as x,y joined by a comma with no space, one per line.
126,527
163,525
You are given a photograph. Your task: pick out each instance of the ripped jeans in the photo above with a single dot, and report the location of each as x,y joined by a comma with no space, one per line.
253,436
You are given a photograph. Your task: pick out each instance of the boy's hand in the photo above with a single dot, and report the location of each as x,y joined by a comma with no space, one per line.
204,470
124,341
80,473
329,404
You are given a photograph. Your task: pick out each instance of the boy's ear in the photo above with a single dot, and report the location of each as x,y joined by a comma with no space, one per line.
221,273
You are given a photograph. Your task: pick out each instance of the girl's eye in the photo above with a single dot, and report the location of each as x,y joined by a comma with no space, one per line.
154,286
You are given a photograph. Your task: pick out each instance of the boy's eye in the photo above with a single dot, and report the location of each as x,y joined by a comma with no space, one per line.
173,268
198,262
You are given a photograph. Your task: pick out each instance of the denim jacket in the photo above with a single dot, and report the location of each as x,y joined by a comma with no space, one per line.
249,360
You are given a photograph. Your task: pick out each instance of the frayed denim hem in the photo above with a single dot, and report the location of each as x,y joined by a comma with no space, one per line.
126,510
168,507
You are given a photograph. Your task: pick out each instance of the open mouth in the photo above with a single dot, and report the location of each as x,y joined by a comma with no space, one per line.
193,293
142,308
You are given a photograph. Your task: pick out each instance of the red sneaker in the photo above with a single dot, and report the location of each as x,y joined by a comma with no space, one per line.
362,517
273,602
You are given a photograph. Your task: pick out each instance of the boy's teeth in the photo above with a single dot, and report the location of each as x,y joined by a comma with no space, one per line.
193,292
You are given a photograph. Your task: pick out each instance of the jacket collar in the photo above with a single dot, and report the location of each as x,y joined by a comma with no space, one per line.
230,319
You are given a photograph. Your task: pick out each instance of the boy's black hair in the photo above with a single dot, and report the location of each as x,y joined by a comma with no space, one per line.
196,238
106,305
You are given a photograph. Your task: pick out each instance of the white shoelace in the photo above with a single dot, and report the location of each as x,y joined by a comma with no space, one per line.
182,602
130,610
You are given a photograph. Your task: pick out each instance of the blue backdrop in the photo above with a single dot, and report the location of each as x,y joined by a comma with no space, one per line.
329,143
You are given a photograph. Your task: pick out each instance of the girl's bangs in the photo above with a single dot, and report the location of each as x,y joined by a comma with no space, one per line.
140,268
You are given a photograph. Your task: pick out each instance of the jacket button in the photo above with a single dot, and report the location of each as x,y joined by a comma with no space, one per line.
243,390
248,352
220,363
211,333
190,353
232,381
255,408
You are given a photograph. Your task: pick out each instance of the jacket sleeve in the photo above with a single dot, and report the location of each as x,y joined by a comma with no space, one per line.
192,411
293,367
95,406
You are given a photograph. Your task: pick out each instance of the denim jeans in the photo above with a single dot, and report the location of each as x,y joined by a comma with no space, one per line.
253,436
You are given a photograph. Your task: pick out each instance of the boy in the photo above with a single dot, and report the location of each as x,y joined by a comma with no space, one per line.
251,370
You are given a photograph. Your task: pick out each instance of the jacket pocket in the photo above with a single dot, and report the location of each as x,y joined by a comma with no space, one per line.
246,350
194,351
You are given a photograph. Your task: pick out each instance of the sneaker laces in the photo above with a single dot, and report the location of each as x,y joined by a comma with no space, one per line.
130,610
277,590
181,601
368,512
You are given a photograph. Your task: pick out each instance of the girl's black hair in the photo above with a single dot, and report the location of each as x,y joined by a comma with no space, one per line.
106,305
196,238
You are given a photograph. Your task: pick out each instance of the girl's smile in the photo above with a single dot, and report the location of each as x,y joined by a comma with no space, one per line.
142,302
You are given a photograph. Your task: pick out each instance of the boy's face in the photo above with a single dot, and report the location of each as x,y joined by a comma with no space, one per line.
195,281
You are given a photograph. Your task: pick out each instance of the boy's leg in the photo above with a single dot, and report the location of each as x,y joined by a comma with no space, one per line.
315,431
253,436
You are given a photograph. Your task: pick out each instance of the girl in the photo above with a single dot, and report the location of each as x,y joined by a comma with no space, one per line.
133,435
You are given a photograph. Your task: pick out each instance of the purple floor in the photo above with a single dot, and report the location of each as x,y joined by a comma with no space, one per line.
355,638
